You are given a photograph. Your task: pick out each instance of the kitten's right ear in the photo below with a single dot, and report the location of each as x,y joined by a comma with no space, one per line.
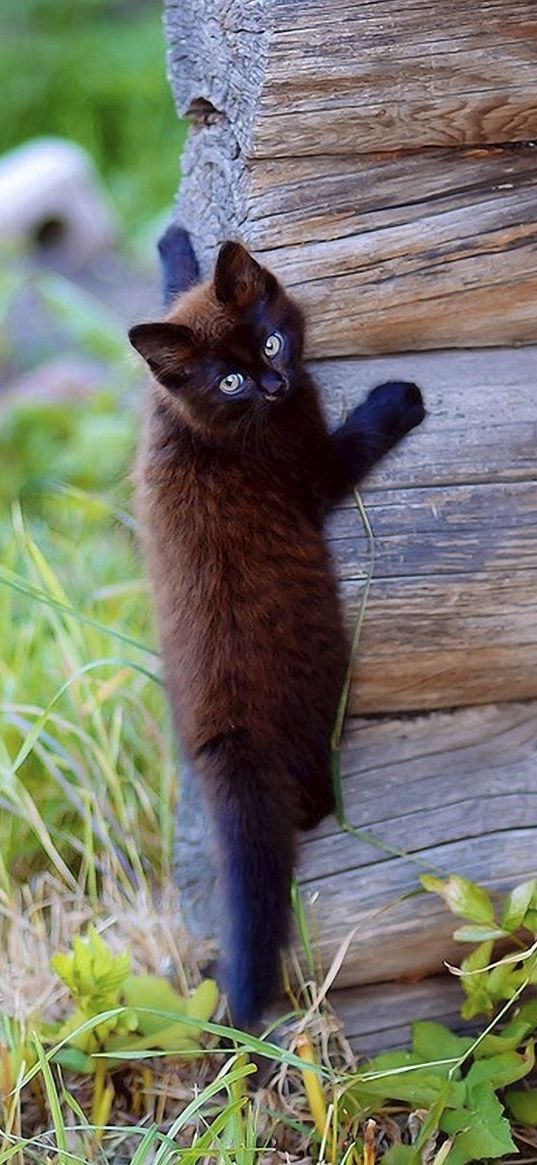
166,348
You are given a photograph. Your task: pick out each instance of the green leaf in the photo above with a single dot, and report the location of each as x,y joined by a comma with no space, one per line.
387,1061
402,1155
74,1060
478,933
168,1037
526,1015
479,1132
419,1087
463,897
523,1105
501,1070
433,1041
511,1039
432,884
477,960
517,903
153,992
501,980
475,986
203,1002
92,972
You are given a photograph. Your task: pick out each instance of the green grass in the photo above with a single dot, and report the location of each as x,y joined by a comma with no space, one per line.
83,743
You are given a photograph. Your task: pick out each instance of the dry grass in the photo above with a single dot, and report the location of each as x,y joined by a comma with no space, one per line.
44,917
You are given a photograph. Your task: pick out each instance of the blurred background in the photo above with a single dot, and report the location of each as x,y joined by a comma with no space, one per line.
88,173
89,169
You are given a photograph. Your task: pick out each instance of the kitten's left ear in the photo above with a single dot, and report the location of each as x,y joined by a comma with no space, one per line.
239,280
166,348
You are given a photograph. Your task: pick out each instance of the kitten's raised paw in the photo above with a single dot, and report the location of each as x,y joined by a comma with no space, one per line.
397,405
180,268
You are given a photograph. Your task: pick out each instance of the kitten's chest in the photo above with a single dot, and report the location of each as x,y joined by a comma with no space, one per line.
219,521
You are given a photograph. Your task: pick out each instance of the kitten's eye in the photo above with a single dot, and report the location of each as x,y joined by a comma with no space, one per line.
273,345
231,383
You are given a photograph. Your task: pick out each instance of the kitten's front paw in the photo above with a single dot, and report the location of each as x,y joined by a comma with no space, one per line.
397,406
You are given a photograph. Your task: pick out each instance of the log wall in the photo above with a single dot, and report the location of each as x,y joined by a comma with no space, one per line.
380,157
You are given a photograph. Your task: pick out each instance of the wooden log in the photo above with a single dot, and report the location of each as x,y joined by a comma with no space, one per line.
381,162
440,793
322,77
451,616
455,792
378,1018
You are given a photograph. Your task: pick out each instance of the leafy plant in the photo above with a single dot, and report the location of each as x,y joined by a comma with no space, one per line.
142,1012
430,1078
488,980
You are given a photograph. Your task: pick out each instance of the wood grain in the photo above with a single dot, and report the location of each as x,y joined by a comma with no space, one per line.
383,78
451,617
457,792
325,78
454,278
378,1018
359,150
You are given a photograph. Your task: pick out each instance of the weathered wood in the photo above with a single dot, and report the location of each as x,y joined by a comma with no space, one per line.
456,792
377,1019
358,150
452,278
382,162
419,74
441,793
330,78
452,613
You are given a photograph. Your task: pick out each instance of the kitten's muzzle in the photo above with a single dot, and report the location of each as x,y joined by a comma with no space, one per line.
274,385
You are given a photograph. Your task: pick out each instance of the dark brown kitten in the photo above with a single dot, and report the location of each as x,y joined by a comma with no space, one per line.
236,471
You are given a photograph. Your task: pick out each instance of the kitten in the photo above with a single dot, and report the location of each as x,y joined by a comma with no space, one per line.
236,472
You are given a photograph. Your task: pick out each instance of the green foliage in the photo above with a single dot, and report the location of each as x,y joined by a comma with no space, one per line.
488,982
71,591
455,1081
139,1014
45,443
95,72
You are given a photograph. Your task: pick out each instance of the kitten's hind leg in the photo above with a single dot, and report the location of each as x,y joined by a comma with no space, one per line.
179,265
373,428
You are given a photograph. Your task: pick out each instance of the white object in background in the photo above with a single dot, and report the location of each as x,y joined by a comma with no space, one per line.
51,199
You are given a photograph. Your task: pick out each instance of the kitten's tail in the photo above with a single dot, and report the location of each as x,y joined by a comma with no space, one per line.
255,840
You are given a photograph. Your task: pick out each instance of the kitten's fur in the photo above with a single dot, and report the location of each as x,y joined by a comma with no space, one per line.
232,491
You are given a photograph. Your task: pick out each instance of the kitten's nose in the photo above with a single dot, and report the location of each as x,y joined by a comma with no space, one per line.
273,384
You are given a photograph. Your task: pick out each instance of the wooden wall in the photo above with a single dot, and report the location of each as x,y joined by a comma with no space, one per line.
381,158
379,155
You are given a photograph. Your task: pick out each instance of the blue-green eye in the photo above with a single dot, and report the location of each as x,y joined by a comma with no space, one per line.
273,345
231,383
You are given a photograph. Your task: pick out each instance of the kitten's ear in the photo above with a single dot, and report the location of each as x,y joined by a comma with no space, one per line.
166,348
239,280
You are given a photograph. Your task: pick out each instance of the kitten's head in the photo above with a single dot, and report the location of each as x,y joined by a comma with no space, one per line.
230,349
